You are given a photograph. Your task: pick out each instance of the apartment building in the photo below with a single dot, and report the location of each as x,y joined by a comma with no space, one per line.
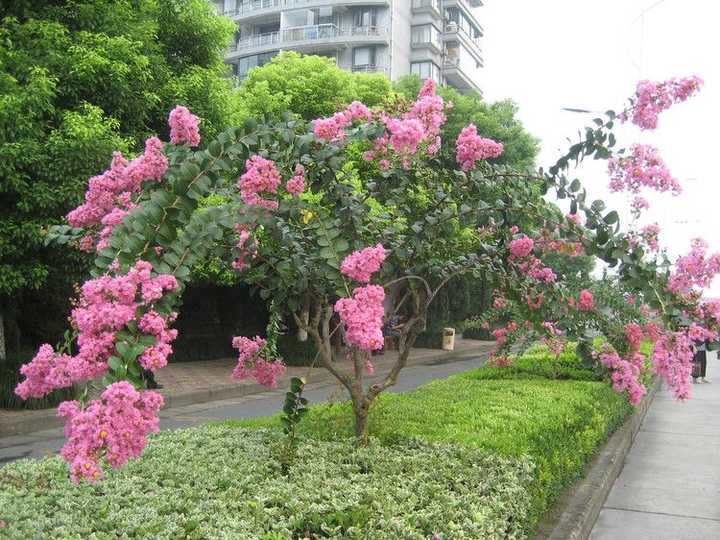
431,38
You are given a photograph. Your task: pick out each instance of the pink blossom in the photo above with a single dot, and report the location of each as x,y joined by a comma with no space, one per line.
362,264
252,363
296,185
639,204
471,148
625,373
184,126
113,427
107,305
244,245
362,316
405,135
500,303
535,302
694,269
521,247
332,129
651,98
261,175
586,301
643,168
358,111
650,236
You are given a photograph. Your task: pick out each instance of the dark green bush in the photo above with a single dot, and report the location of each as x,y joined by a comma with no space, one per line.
297,353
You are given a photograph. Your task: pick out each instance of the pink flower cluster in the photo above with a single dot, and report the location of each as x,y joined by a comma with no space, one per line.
521,247
360,265
470,148
650,236
109,196
362,316
296,185
419,126
672,360
184,126
639,204
107,304
429,109
651,98
694,269
261,175
113,427
153,324
625,373
500,302
643,168
244,245
252,364
586,301
333,128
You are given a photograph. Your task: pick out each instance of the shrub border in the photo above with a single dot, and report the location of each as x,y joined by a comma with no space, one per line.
573,515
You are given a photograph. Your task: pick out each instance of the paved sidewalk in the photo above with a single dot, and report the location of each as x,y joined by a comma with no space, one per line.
425,365
669,487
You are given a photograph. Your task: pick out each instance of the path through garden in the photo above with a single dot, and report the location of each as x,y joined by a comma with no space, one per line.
669,485
49,441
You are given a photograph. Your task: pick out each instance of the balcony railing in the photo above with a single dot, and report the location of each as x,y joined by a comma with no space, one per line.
366,68
257,7
452,28
306,33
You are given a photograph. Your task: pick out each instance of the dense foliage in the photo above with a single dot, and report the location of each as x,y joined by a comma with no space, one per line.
77,81
218,482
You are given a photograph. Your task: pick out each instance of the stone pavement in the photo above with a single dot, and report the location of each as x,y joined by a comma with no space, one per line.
250,401
669,487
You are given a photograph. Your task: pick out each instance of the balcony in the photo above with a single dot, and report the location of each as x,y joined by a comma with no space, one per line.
367,68
427,6
262,8
458,77
454,33
309,38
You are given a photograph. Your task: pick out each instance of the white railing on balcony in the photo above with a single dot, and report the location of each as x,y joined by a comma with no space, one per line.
306,33
253,7
421,4
366,68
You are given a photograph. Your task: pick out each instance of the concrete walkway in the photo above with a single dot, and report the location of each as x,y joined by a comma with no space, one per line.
427,366
669,487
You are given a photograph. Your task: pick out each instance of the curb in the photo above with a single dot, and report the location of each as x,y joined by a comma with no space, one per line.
574,514
47,419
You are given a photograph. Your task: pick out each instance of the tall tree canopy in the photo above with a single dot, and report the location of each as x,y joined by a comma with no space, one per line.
78,79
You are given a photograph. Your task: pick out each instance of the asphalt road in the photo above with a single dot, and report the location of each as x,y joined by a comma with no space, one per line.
47,442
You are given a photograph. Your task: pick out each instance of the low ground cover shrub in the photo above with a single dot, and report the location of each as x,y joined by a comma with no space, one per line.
558,424
214,481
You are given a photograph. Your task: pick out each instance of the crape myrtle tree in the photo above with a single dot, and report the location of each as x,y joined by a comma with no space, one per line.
311,231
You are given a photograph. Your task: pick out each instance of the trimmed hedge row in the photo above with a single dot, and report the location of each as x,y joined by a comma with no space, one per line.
524,410
218,482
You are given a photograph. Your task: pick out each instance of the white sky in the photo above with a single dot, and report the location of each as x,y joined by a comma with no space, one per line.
589,54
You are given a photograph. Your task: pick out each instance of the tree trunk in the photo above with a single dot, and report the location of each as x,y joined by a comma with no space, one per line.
361,409
302,334
3,353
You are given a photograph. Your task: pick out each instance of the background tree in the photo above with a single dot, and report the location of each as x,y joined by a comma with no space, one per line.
78,79
309,86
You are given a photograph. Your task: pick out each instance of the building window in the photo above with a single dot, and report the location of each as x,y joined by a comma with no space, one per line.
246,63
463,22
365,16
363,57
417,4
426,33
426,70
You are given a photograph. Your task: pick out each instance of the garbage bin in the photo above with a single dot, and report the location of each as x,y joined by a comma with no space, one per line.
448,342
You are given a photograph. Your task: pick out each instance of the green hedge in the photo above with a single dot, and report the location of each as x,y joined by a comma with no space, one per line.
558,424
217,482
